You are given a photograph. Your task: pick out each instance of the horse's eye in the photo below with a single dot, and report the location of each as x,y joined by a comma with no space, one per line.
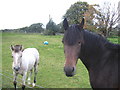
79,43
12,56
62,41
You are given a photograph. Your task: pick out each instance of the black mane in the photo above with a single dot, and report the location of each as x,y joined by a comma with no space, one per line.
93,40
97,40
112,46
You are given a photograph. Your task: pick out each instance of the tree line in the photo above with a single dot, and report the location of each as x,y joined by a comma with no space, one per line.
97,19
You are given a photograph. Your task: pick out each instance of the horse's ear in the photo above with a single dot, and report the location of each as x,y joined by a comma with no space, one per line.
65,24
82,23
12,48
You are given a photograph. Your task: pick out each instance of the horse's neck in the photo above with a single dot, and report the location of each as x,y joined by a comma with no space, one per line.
92,51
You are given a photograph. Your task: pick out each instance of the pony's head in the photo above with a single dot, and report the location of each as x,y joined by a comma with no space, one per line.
16,55
72,41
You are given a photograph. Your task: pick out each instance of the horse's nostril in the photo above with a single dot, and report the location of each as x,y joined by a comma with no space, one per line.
69,71
73,69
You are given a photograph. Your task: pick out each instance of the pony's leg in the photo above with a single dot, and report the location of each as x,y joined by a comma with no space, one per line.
14,80
29,78
23,80
35,73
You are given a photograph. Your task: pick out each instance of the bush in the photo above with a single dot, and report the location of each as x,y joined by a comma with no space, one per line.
49,32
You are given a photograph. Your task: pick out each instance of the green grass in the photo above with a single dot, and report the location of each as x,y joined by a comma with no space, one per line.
0,58
50,74
52,60
114,40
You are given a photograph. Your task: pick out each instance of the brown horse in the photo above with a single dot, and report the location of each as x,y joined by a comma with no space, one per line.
98,55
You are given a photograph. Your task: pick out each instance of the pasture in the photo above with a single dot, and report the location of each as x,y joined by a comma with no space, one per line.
50,70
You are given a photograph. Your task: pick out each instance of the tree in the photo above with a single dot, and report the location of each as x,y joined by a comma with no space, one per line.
107,18
51,28
60,26
76,12
36,28
89,16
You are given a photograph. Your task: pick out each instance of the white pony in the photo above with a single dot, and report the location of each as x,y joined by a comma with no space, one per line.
24,61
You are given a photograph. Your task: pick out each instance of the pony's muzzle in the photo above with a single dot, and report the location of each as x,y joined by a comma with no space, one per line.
16,68
69,71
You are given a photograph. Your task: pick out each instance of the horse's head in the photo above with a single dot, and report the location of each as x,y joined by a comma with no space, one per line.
16,55
72,41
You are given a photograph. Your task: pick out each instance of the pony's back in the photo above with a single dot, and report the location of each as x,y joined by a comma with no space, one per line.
31,52
30,56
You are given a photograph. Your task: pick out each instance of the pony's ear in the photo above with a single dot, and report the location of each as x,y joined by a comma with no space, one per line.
12,48
65,24
21,48
82,23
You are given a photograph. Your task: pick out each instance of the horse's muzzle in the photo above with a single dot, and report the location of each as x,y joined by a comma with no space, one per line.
69,71
16,68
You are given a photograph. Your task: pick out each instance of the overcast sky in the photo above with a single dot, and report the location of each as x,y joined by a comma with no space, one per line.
21,13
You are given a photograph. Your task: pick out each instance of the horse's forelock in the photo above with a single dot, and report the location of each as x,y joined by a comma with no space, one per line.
72,35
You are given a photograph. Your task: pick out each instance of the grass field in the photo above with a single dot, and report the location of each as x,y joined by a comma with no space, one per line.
50,74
